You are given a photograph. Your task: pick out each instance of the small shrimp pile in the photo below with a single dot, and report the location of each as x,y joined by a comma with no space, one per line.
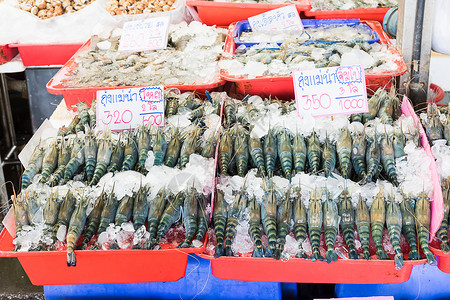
334,46
52,8
329,33
190,58
133,7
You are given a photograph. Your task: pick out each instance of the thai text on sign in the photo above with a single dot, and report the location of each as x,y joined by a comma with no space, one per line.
127,108
283,18
143,35
330,91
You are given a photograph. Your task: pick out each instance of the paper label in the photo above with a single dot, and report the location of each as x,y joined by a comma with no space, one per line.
330,91
283,18
127,108
143,35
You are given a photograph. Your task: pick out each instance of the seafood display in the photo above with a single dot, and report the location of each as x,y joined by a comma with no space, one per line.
48,9
140,189
269,136
350,4
190,57
79,152
133,7
303,52
342,182
344,213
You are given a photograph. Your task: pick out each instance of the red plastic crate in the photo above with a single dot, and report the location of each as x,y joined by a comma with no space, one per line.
100,266
307,271
73,95
375,14
46,55
281,86
225,13
345,271
440,94
7,53
443,260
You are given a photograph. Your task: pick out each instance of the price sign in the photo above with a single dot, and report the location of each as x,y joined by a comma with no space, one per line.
127,108
330,91
283,18
142,35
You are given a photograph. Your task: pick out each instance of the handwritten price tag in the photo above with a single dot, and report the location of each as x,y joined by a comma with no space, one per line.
127,108
283,18
331,91
142,35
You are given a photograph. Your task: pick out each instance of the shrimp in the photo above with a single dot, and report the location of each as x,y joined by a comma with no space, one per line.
103,159
76,160
155,211
76,225
50,161
220,219
90,154
159,147
314,153
63,159
34,166
285,152
190,215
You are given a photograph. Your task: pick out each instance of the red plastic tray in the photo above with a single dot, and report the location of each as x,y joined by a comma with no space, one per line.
225,13
443,260
440,94
306,271
100,266
281,86
375,14
46,55
72,95
7,53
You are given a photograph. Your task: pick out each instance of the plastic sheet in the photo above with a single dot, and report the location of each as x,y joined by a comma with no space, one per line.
437,204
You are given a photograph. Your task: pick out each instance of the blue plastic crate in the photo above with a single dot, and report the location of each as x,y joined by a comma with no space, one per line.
426,283
244,26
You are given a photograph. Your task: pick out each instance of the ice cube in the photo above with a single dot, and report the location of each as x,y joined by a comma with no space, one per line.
128,226
254,68
139,235
125,239
357,57
61,233
196,243
285,256
103,238
291,246
242,242
104,45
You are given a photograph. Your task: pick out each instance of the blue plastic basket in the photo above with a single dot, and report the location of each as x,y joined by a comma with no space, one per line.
244,26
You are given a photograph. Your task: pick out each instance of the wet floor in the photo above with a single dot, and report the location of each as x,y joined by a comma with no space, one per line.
14,282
